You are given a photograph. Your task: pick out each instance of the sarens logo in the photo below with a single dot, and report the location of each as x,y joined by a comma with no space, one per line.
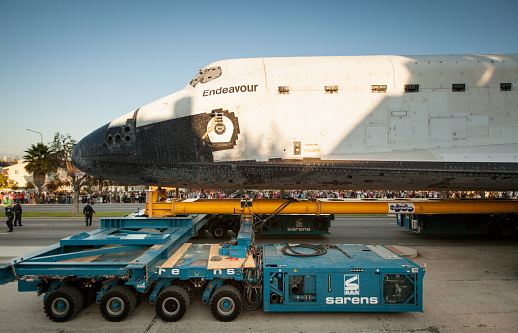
352,287
351,284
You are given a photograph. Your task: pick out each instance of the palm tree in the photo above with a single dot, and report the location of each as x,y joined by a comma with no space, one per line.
38,158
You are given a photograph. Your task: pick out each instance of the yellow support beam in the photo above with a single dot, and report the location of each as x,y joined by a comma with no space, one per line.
332,206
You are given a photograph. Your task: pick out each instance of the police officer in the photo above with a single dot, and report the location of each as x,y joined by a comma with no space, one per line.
18,214
88,212
7,201
10,215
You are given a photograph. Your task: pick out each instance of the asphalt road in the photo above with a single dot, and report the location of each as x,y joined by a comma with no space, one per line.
471,285
39,232
68,207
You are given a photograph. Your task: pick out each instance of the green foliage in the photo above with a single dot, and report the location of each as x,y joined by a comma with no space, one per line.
61,150
39,163
38,158
61,158
6,182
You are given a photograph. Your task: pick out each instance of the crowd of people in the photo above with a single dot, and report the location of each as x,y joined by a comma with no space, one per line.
12,200
139,196
60,197
319,194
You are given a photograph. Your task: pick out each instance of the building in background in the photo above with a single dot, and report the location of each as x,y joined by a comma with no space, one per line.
18,174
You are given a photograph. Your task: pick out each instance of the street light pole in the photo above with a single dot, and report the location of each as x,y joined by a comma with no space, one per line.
36,132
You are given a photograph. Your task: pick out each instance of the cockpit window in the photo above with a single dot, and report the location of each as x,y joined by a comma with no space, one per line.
211,74
198,77
206,75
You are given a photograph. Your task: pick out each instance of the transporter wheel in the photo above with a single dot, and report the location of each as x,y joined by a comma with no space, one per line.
505,229
89,295
63,304
172,303
502,226
187,287
118,303
226,303
219,231
199,233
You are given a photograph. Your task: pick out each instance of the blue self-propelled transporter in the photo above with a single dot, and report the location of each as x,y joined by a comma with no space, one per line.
151,256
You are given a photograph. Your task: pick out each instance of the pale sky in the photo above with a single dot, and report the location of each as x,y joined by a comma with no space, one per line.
71,66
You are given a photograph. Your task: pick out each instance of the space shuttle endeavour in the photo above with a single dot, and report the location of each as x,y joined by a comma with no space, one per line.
442,122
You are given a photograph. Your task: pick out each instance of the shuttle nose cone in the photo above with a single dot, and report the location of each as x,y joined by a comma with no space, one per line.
88,150
76,156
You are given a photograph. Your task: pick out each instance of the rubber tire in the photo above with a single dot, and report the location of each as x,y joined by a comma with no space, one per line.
505,229
199,233
89,295
226,294
219,232
175,296
128,301
72,298
187,287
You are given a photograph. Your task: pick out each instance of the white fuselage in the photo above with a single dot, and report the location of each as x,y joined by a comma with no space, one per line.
283,101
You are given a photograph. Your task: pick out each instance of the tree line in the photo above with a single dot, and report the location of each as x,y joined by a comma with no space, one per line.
43,160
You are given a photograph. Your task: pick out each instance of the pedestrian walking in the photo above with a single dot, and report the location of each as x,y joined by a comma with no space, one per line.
18,214
10,215
88,212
